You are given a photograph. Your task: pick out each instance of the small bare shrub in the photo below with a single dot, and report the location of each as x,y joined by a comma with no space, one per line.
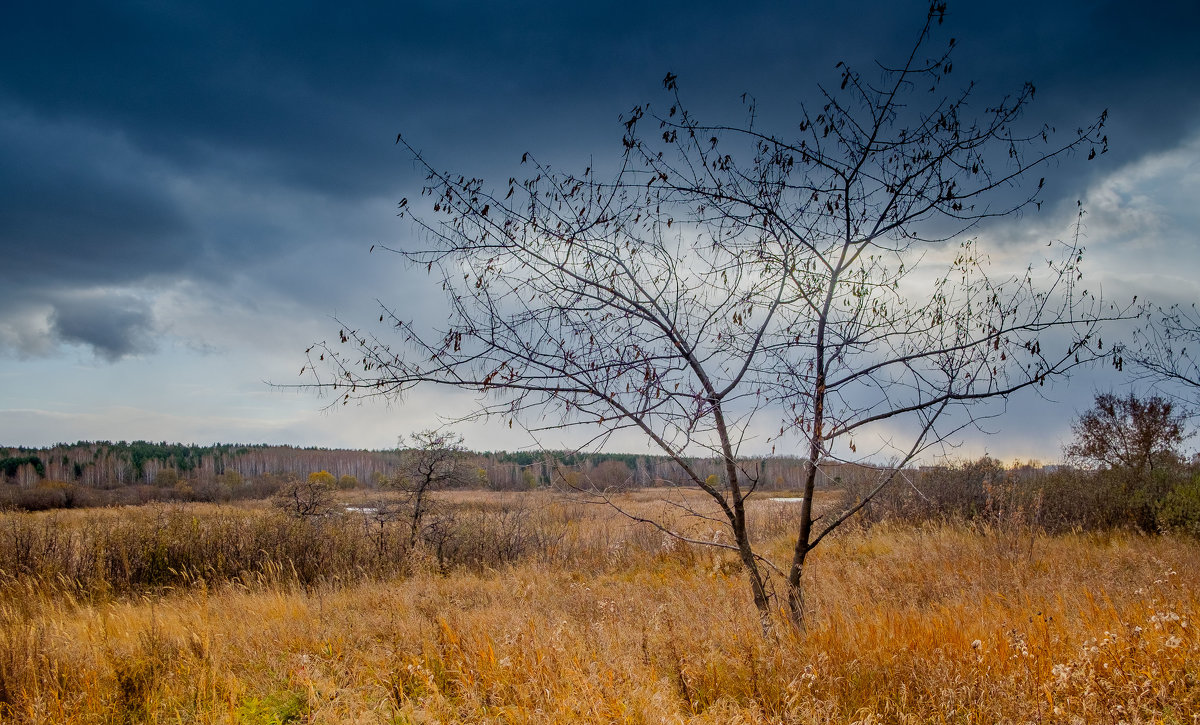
312,496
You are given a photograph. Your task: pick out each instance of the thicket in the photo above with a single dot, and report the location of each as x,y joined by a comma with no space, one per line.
49,494
119,552
1052,499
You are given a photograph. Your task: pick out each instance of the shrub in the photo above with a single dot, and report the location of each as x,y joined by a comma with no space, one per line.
310,497
1179,510
960,490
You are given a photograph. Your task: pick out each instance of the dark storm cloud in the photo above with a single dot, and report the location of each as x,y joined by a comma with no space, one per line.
112,325
142,142
315,93
77,206
1140,62
318,91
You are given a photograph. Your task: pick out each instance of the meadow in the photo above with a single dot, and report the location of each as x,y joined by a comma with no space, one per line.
536,608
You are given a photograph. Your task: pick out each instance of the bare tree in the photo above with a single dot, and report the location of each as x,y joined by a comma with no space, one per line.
1129,433
312,496
727,277
433,462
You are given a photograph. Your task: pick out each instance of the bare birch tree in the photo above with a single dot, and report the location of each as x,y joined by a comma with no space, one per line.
727,279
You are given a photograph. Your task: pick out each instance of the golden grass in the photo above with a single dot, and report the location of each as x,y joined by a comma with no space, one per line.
907,625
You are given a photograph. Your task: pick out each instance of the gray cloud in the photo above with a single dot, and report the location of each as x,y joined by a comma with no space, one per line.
313,95
113,325
78,205
25,331
112,106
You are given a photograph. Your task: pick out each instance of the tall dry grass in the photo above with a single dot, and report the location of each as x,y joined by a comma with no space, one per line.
603,621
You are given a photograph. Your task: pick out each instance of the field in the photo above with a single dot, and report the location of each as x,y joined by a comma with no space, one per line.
564,612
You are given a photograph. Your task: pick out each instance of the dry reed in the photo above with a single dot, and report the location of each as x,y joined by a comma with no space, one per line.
601,621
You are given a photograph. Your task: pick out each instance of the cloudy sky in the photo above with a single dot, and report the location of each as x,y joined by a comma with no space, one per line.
189,190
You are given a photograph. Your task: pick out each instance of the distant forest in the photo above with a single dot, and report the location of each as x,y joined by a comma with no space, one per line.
104,465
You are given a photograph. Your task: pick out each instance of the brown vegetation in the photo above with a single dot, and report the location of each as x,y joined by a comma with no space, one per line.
164,614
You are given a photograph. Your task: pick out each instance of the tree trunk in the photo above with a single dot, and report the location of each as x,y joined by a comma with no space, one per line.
803,546
795,587
757,586
737,520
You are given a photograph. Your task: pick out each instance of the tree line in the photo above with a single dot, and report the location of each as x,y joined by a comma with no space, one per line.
245,469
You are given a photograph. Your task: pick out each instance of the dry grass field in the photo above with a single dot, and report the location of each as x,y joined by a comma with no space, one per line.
591,619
